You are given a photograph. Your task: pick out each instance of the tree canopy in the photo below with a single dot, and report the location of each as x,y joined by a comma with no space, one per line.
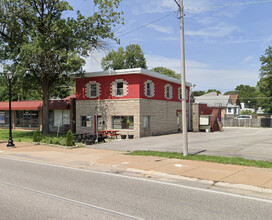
246,95
131,57
166,71
265,82
43,47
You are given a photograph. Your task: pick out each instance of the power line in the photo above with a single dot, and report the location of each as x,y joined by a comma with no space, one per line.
228,5
145,25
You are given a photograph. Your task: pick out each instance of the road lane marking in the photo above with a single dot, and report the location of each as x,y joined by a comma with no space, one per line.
141,179
69,200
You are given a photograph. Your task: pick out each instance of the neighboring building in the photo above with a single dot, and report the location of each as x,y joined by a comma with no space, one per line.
206,118
213,99
136,102
28,114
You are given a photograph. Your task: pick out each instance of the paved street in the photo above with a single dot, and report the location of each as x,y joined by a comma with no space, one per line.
251,143
38,191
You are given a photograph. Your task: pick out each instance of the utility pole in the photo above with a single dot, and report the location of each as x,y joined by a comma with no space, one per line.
183,81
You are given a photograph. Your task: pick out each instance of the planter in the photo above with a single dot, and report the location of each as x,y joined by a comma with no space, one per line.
123,136
125,125
130,136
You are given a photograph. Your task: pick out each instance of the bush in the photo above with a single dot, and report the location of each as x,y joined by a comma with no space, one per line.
70,140
37,136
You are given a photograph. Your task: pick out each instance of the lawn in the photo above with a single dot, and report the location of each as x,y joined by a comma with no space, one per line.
215,159
27,136
19,136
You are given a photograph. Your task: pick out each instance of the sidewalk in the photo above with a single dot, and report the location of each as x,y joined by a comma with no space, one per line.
116,161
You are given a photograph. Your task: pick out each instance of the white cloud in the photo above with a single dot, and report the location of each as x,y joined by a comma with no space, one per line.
162,29
93,62
246,59
206,76
219,30
168,38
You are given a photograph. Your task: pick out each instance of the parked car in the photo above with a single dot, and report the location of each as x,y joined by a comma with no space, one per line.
244,117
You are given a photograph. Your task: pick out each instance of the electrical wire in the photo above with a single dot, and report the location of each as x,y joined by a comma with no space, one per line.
228,5
193,9
145,25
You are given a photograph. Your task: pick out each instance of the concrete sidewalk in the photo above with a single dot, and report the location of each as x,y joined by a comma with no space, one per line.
259,179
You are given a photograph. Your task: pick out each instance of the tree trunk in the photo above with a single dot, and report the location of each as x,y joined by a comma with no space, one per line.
45,122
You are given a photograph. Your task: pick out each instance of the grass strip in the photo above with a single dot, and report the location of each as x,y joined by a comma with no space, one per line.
215,159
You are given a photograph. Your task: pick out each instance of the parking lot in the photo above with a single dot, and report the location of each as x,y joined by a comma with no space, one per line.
251,143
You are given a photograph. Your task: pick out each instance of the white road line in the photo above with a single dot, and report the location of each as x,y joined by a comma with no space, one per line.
143,180
69,200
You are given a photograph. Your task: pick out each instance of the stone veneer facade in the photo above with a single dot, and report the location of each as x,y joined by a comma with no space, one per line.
163,115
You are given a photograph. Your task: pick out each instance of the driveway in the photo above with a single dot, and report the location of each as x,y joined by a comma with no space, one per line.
251,143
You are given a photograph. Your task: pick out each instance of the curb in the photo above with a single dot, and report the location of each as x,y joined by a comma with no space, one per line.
207,182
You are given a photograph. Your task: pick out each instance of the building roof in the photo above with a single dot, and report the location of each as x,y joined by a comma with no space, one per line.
213,99
133,71
35,105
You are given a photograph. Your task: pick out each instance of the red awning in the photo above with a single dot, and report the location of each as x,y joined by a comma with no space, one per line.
35,105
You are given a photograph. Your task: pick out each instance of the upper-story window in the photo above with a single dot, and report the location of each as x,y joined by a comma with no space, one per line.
92,89
179,93
119,88
168,91
149,88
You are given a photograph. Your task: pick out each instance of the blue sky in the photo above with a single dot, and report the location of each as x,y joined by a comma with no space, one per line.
223,39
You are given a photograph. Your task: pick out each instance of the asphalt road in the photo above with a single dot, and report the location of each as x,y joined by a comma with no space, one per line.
251,143
31,190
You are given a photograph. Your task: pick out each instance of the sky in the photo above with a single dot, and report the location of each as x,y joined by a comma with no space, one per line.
223,39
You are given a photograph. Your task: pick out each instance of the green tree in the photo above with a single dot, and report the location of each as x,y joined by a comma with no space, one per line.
199,93
131,57
166,71
230,93
43,47
246,95
213,90
265,82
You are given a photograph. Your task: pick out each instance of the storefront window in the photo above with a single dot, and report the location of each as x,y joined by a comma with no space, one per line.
4,118
27,119
122,122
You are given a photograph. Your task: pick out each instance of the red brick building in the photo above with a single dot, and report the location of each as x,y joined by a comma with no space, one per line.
136,102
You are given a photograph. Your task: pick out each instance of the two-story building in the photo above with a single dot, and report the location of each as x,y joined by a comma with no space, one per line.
135,102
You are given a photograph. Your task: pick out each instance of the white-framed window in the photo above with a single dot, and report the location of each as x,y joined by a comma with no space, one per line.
146,121
168,91
93,89
179,93
119,88
149,88
229,110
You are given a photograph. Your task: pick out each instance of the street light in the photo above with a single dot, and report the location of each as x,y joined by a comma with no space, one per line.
10,141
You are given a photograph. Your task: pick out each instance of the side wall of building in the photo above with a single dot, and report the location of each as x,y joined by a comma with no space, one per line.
165,117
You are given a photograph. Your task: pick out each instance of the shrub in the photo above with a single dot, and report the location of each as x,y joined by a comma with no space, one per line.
37,136
70,140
